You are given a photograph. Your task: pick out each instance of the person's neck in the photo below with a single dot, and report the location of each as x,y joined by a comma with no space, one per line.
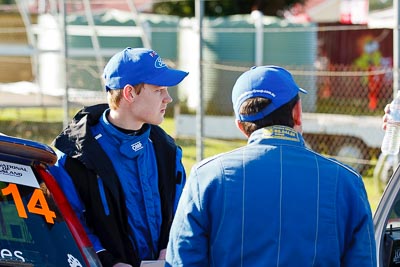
121,122
128,131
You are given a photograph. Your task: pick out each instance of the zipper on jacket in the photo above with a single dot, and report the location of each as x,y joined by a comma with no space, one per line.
103,196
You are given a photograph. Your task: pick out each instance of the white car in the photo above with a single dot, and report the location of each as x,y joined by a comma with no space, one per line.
387,224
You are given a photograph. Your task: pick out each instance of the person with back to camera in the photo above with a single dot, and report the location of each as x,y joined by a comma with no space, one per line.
121,172
273,202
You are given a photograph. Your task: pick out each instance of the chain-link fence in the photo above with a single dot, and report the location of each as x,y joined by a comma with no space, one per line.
347,71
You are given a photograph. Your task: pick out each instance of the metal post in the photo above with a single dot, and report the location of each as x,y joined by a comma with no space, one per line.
65,54
257,16
396,48
199,9
94,37
143,26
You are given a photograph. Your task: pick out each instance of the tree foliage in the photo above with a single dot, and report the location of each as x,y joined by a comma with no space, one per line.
380,4
7,2
224,7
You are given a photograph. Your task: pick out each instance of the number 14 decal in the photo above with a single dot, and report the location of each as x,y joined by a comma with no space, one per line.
37,203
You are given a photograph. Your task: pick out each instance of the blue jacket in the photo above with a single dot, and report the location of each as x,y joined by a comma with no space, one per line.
272,202
123,188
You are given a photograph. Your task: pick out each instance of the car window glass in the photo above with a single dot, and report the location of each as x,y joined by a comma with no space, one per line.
391,239
394,215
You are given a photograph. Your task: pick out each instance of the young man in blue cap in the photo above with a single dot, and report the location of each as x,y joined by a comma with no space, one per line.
272,202
121,172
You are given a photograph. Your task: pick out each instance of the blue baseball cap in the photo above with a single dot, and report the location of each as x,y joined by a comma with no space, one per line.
139,65
272,82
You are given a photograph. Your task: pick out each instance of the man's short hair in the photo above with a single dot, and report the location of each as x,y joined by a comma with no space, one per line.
281,116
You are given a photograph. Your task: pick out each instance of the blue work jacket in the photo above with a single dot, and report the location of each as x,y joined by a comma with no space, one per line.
123,188
273,202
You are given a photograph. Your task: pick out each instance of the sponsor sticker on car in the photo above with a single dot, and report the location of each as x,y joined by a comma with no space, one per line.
18,174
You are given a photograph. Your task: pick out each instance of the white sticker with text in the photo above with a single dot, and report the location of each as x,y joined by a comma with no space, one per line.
18,174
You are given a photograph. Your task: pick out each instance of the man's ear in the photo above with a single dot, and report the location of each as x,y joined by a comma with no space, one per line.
129,93
240,127
297,117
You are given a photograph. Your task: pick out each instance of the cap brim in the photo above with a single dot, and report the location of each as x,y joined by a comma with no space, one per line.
169,77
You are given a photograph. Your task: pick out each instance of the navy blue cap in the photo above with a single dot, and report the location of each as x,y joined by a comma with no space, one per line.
139,65
271,82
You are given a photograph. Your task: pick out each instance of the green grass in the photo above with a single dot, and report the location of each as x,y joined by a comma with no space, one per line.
44,124
374,195
34,114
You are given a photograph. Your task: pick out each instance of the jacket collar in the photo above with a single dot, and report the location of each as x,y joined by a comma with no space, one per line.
277,133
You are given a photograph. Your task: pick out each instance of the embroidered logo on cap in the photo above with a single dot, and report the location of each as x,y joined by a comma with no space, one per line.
137,146
159,63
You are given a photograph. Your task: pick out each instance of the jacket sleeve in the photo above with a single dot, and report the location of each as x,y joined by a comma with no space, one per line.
65,182
359,248
181,176
188,243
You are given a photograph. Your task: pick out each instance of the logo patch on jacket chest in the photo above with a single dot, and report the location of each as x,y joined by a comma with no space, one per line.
137,146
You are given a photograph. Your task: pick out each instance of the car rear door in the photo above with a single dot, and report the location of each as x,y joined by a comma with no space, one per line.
387,224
